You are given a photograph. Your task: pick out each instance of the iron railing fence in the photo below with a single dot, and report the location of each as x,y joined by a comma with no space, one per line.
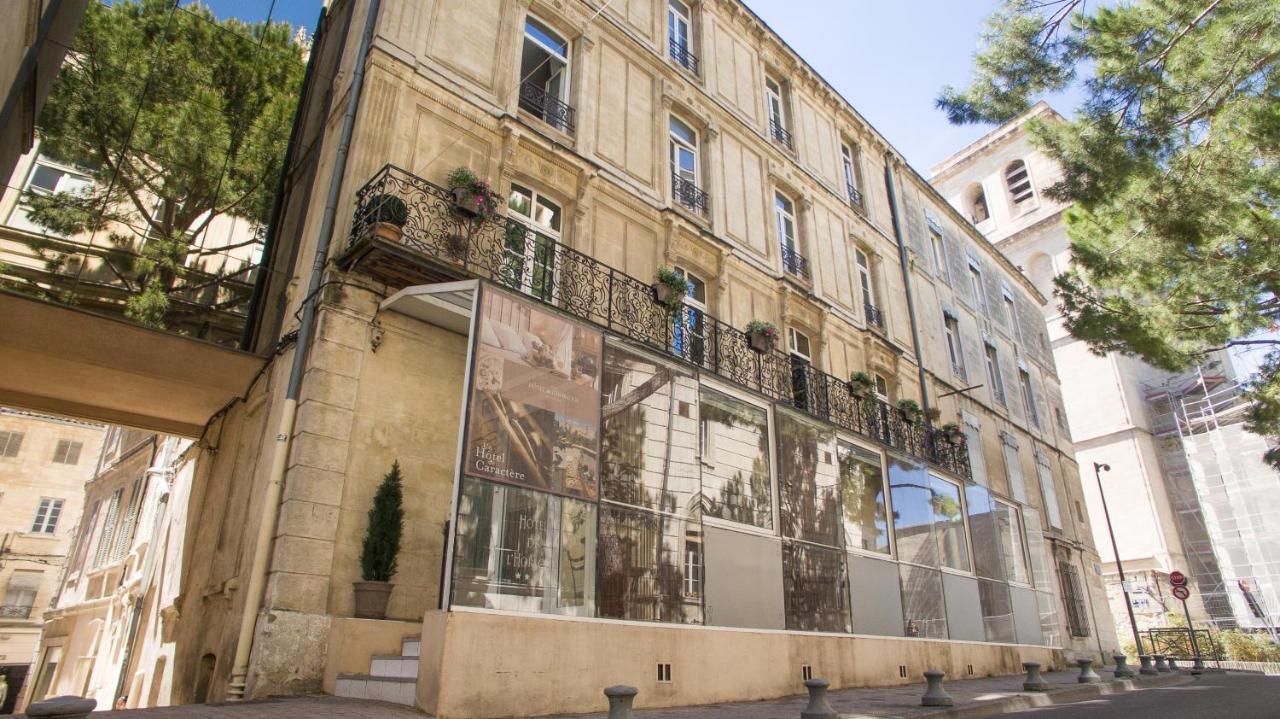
687,193
794,262
855,197
514,255
875,315
557,113
681,54
781,134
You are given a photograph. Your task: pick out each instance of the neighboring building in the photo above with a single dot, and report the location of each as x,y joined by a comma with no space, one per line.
1187,487
109,631
585,468
44,463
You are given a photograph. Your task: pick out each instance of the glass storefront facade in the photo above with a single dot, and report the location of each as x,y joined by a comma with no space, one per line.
594,472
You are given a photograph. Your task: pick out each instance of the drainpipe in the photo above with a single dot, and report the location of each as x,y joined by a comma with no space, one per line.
890,184
280,457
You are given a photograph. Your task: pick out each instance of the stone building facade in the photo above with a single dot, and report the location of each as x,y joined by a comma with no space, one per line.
109,630
585,468
44,464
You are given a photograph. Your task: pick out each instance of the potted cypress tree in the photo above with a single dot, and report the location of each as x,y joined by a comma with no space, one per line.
388,216
910,411
861,384
381,545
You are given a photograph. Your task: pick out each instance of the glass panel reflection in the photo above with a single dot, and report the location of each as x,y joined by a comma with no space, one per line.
650,566
997,611
1037,550
649,449
808,481
988,560
1049,619
522,550
862,493
948,517
912,513
735,459
814,588
923,612
1010,530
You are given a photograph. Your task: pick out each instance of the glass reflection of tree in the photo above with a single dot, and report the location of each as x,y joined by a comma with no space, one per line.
575,521
740,499
632,584
808,511
626,428
862,493
815,588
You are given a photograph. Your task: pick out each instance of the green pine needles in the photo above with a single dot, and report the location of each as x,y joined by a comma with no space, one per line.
386,522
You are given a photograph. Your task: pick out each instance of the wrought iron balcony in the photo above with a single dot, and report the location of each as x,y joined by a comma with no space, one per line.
437,243
794,262
15,611
687,193
780,134
875,316
546,107
958,370
680,53
855,198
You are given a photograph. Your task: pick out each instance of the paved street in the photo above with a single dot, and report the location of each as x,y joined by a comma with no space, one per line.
1212,696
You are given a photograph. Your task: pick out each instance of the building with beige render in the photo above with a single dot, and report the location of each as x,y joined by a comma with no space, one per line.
585,469
1187,489
44,464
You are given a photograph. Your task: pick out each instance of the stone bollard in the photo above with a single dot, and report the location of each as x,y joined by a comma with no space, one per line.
935,695
1146,669
65,707
620,698
818,707
1161,665
1198,667
1123,670
1173,664
1087,674
1034,682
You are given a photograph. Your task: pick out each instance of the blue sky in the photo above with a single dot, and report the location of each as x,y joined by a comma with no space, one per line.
889,58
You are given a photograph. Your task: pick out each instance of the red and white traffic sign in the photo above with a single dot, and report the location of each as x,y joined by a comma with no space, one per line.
1177,579
1181,592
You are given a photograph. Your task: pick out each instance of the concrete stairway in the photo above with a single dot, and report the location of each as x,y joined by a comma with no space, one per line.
391,678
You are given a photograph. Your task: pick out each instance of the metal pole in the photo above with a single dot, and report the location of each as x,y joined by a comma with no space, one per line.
1195,647
1128,605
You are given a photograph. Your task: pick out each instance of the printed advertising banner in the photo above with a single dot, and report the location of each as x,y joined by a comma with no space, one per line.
535,399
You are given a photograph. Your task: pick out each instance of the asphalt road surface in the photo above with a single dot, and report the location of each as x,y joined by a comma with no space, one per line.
1212,696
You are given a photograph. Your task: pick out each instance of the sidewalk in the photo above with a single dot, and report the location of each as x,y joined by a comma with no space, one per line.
973,698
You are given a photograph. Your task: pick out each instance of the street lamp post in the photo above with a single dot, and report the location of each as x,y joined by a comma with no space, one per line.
1098,468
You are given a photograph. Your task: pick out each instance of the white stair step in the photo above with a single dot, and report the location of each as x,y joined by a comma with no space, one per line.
394,666
411,647
397,690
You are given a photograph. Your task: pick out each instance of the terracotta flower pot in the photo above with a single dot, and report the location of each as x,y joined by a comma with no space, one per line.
388,231
371,599
468,201
760,342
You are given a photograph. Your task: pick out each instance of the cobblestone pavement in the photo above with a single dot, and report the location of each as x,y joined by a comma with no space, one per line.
862,703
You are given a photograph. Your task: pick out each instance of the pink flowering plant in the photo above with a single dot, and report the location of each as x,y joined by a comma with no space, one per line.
760,328
472,193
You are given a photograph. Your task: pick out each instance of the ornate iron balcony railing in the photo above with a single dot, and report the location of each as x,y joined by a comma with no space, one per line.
437,241
547,107
15,611
687,193
780,133
874,315
855,197
794,262
680,53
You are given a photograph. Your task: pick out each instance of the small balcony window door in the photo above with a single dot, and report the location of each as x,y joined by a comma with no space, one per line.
955,351
775,109
530,243
1011,311
976,286
685,170
689,339
680,34
849,165
544,75
939,253
1018,180
47,514
868,287
785,213
1028,398
798,345
993,374
881,386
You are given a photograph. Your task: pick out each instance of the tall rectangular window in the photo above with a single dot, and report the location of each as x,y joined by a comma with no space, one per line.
866,283
775,108
1073,599
993,374
955,351
977,460
1050,493
685,173
47,514
67,452
1013,468
108,530
10,443
1009,526
784,212
975,284
939,252
1011,312
680,35
862,492
736,473
848,162
1028,397
544,76
20,594
948,518
798,344
689,338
